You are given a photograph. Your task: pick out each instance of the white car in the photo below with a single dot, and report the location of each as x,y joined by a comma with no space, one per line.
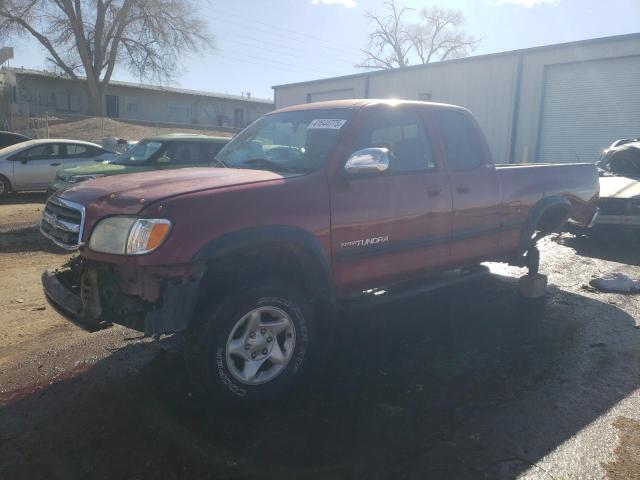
32,165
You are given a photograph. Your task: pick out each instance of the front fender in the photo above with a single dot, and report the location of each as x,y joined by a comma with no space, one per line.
270,235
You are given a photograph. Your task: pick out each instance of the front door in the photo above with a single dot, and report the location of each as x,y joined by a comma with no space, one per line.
113,109
36,167
388,225
476,226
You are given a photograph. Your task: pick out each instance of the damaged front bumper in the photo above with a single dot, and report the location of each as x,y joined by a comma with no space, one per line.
151,300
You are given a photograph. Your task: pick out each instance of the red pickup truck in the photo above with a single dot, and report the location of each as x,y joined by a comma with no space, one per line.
313,206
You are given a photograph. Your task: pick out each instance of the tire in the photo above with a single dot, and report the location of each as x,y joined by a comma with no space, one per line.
270,325
5,187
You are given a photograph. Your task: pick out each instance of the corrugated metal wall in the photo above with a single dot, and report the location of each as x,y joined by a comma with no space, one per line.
587,106
487,85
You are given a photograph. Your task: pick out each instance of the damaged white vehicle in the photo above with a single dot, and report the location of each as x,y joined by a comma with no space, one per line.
620,184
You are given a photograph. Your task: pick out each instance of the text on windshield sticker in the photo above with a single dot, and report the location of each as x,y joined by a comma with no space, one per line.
327,123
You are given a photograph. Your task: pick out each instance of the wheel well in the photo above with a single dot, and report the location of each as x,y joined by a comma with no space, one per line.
552,219
289,262
7,181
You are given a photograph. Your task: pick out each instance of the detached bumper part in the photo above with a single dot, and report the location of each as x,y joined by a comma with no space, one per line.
178,304
62,297
67,302
86,304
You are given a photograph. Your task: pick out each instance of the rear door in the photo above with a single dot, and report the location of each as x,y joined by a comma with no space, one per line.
477,221
393,225
36,167
78,154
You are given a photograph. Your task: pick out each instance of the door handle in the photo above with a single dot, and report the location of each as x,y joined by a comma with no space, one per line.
461,189
433,191
56,164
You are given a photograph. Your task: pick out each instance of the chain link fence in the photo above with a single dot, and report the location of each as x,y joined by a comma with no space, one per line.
96,129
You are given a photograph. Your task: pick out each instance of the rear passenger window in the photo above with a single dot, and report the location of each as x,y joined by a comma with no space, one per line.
403,134
74,150
185,153
208,150
462,147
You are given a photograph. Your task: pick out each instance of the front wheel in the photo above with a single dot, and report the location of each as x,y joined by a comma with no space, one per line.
254,344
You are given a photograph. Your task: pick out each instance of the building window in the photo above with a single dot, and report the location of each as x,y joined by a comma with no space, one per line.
178,111
131,105
238,117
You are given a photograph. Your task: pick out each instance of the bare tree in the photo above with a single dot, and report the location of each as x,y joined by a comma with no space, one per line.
439,36
389,42
397,42
92,37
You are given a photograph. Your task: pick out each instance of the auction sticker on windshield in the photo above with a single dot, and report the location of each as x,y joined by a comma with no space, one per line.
327,123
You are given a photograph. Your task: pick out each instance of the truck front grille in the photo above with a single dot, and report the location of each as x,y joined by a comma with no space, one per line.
63,222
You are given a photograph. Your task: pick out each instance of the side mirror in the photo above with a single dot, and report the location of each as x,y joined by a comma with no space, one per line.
163,159
368,161
23,159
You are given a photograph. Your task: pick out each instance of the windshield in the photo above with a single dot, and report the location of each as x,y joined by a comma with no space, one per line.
139,153
287,142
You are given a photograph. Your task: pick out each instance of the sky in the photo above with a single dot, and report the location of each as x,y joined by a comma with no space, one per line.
262,43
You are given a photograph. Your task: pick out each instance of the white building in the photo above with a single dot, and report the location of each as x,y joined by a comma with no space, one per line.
557,103
28,92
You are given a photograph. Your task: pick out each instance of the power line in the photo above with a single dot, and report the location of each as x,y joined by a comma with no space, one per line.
277,64
287,46
270,50
262,64
283,63
341,46
341,50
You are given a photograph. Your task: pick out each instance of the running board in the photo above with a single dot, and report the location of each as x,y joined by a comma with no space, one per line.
380,296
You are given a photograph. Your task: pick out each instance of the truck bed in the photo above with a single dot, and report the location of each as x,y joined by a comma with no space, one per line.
523,185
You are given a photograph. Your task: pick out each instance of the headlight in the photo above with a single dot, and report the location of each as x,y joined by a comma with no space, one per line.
123,235
82,178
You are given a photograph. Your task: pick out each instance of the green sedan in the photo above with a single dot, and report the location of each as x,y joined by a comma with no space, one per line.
152,153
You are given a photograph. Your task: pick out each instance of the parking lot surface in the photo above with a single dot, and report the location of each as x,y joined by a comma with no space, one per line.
468,382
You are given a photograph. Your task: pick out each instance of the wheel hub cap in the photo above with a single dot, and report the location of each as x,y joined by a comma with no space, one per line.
260,345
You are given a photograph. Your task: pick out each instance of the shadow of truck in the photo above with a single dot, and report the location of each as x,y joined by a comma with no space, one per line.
463,383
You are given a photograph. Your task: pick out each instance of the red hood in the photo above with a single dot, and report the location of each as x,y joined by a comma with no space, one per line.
131,193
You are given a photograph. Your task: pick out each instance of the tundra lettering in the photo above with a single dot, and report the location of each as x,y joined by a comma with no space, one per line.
365,242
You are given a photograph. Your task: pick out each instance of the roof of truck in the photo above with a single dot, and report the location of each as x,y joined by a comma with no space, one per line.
186,137
365,102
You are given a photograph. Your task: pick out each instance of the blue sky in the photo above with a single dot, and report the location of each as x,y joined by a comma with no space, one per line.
263,43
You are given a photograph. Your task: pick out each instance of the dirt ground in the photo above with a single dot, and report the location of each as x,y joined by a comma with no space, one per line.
466,383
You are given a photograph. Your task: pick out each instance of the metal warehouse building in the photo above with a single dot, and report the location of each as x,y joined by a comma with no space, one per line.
557,103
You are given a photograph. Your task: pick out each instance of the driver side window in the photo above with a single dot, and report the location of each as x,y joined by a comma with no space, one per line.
401,132
43,152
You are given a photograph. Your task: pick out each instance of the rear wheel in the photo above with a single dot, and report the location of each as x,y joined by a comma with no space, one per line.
5,187
254,344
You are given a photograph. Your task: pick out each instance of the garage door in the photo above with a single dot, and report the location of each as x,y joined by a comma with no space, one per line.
342,94
587,106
